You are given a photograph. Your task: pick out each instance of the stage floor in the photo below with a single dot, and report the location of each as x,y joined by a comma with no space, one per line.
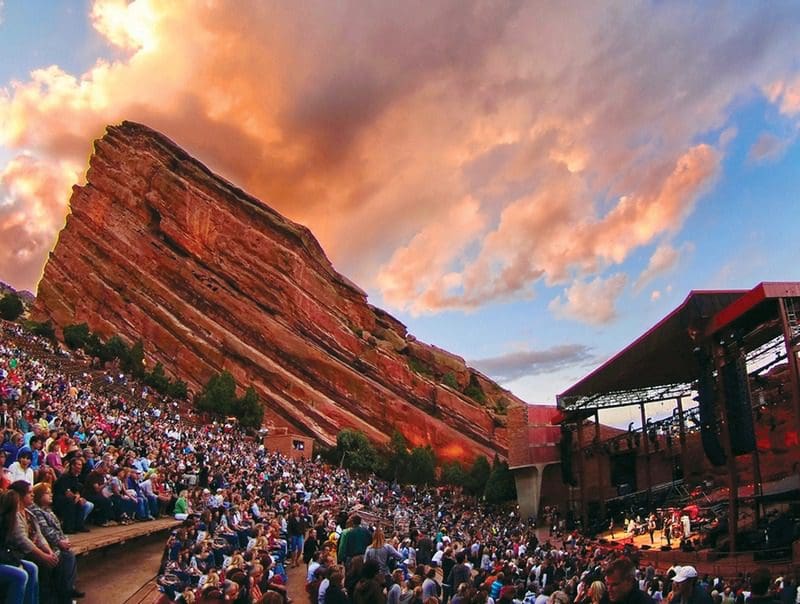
621,536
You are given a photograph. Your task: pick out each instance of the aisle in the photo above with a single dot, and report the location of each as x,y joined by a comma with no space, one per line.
297,584
113,575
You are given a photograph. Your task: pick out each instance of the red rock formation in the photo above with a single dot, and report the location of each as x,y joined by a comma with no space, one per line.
159,248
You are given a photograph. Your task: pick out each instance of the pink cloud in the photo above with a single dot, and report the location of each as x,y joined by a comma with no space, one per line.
785,94
664,259
32,208
592,302
554,161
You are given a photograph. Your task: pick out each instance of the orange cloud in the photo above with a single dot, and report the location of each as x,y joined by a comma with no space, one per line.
446,154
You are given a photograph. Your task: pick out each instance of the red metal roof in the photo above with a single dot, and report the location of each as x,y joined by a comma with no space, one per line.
663,355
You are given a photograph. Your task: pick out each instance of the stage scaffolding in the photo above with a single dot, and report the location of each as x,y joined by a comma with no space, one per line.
760,327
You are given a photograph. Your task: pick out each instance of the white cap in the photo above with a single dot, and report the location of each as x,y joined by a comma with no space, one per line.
683,573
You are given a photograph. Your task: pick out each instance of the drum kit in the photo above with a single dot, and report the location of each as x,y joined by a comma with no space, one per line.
671,521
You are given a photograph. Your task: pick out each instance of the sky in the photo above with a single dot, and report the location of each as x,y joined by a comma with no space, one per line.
529,185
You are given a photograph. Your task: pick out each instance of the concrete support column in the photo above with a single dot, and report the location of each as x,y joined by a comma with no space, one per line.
529,489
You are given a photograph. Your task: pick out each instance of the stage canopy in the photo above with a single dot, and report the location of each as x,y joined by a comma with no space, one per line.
660,365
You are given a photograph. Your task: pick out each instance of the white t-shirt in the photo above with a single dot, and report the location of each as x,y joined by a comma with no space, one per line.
15,472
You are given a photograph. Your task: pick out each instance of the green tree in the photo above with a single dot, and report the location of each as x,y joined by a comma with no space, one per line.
421,466
249,409
356,452
116,348
94,347
453,473
133,363
219,394
500,486
43,330
75,336
158,379
478,475
178,389
397,456
11,307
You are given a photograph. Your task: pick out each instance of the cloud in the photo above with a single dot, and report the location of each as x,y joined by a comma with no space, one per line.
555,162
32,208
767,148
428,254
514,365
664,259
655,295
592,302
786,95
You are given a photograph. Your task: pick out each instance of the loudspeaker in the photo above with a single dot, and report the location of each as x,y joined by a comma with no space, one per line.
567,477
706,399
738,406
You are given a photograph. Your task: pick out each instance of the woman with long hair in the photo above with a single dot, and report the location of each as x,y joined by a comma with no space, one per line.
381,552
21,576
596,592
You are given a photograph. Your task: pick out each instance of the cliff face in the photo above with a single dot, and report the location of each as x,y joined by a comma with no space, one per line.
159,248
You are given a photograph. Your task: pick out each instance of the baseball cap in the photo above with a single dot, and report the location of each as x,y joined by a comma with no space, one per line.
683,573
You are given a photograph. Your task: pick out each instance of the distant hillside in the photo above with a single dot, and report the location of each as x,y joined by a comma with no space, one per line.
27,297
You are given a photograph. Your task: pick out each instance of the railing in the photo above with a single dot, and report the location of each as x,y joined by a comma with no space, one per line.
731,565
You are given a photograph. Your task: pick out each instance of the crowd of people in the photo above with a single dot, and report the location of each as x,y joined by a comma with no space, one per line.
78,455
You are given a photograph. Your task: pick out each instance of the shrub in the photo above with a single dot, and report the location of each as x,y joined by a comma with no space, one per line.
450,380
419,367
11,307
474,390
501,406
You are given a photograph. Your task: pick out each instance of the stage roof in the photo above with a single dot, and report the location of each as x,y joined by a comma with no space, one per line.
660,365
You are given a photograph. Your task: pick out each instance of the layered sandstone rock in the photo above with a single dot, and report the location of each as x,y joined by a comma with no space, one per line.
159,248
